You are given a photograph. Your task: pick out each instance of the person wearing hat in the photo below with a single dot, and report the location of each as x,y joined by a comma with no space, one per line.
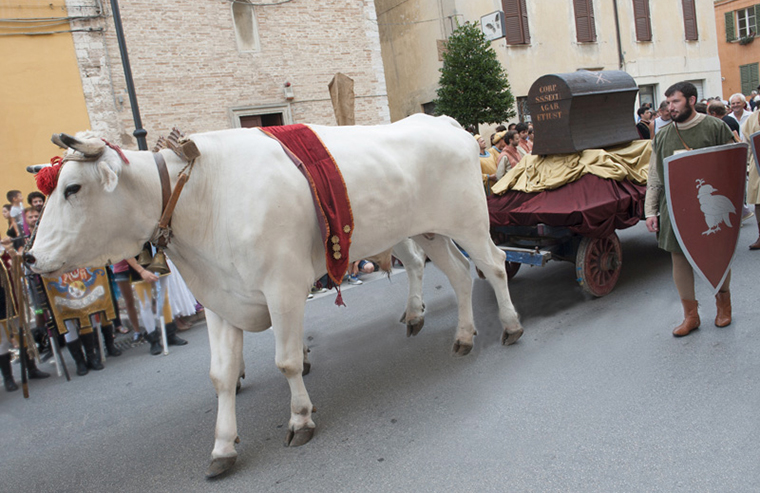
489,159
510,156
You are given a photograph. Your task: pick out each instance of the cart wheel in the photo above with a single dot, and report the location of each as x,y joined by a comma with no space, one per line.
512,268
598,263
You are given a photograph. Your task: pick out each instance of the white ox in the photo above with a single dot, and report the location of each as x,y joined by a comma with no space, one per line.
247,242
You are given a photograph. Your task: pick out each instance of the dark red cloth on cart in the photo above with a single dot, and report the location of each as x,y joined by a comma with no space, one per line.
336,221
591,206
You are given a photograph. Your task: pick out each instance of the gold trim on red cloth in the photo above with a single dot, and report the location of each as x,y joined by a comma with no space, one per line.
332,204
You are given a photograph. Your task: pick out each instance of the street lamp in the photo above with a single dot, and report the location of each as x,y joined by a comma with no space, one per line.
139,132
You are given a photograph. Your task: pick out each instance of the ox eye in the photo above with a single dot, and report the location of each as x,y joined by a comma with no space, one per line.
71,190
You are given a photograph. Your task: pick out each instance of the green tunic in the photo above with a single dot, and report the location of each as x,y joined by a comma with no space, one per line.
707,133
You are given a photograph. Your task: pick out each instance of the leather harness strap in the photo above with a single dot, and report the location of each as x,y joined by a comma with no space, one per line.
169,198
163,173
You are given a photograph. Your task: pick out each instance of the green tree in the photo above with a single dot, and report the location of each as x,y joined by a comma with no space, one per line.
473,87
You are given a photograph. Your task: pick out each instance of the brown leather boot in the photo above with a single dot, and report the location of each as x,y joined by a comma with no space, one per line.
755,245
690,318
723,303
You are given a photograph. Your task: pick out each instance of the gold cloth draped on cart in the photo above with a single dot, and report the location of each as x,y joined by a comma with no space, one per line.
541,173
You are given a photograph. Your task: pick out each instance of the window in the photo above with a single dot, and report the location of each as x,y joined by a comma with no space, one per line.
750,77
516,20
260,116
522,109
690,20
646,95
246,29
642,21
742,23
745,22
585,28
266,120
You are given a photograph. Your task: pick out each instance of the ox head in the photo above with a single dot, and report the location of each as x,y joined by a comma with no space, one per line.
93,215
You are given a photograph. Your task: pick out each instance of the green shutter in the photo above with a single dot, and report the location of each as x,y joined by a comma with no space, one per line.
750,77
730,32
757,17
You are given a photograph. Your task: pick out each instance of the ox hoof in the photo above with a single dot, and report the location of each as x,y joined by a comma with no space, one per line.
415,326
461,349
509,338
299,437
218,466
306,368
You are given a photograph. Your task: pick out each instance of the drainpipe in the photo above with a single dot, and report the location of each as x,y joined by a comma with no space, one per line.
621,61
139,132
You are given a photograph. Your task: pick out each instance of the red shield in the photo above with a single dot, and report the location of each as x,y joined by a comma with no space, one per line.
705,192
754,140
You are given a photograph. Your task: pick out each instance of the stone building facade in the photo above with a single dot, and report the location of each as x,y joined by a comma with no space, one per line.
216,64
738,24
657,42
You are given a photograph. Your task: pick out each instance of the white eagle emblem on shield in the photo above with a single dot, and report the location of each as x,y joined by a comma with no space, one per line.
716,208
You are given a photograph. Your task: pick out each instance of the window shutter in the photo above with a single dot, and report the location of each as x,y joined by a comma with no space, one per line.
641,17
690,20
584,21
730,31
516,21
744,77
750,77
524,12
757,18
753,77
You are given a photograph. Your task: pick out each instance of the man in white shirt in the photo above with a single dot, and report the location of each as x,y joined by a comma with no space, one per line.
738,111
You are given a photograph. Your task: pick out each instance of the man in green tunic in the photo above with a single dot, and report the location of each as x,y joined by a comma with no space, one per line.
690,130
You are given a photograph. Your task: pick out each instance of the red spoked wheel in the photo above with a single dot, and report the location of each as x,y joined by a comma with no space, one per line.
598,263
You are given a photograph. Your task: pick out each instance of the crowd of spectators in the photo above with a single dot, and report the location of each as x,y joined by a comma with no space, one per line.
161,302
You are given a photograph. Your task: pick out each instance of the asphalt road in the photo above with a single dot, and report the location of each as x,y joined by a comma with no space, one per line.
596,396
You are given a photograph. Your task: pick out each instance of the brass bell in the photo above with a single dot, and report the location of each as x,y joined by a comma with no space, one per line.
146,256
158,266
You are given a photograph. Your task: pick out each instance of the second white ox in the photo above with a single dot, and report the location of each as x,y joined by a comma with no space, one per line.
247,242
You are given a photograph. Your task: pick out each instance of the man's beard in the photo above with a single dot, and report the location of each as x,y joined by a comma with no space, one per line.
685,115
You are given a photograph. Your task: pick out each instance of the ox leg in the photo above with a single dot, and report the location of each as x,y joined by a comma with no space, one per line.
455,266
413,258
287,324
226,343
491,261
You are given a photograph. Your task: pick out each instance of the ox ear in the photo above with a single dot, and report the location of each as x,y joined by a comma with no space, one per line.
90,148
109,174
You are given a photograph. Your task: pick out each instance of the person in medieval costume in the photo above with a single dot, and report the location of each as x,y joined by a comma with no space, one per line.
181,299
488,160
7,316
158,287
750,126
690,130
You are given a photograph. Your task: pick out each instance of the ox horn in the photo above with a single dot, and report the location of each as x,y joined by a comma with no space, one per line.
35,168
56,139
90,148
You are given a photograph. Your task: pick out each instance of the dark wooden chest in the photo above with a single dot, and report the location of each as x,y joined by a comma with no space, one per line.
582,110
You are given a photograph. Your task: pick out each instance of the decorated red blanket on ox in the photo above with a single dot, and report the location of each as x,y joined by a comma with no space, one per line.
591,206
336,221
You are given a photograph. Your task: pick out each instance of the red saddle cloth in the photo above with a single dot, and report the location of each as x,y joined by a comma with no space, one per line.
333,208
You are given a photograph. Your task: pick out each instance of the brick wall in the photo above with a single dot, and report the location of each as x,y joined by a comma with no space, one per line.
188,72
